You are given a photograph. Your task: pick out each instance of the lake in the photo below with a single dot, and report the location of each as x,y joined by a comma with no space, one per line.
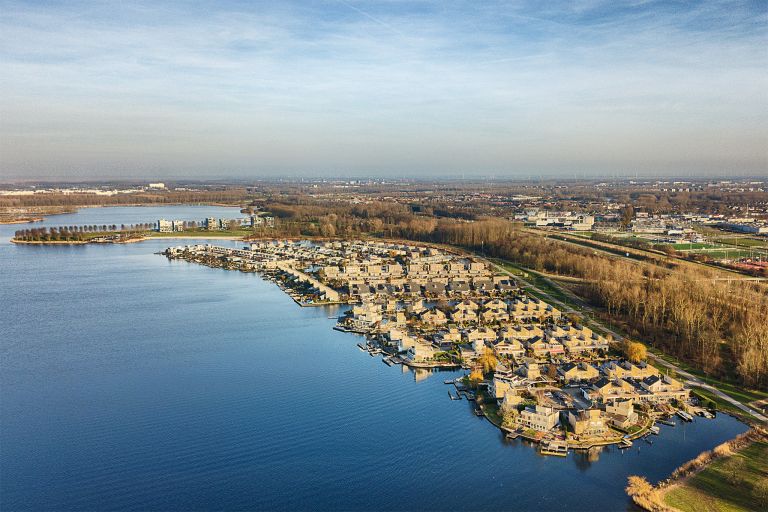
129,382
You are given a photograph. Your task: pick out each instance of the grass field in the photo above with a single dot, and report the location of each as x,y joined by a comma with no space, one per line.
742,242
710,489
685,246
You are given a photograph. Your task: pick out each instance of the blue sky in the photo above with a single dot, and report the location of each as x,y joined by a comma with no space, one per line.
343,87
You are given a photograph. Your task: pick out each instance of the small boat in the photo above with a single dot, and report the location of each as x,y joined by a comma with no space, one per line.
387,361
654,430
449,381
479,412
647,440
668,423
684,415
362,347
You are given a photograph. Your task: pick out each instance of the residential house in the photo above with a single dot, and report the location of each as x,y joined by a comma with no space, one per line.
588,423
571,372
540,418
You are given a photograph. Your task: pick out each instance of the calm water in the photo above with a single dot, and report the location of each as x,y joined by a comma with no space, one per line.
131,382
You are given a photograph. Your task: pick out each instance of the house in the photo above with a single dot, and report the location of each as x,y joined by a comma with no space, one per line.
457,287
495,304
662,389
434,288
587,423
420,352
433,317
571,372
480,333
509,348
608,390
464,316
623,369
494,315
540,418
364,316
621,413
541,348
446,339
530,371
521,332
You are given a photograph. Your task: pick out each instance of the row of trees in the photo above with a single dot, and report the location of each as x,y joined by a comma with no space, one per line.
77,233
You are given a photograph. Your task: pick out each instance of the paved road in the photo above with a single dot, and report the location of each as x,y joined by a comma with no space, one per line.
689,378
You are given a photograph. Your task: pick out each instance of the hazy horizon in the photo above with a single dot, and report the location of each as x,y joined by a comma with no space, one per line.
141,90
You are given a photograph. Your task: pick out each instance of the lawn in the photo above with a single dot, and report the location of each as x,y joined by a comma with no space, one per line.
743,242
693,246
710,490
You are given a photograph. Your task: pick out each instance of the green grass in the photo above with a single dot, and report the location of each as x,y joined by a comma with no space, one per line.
685,246
742,242
710,490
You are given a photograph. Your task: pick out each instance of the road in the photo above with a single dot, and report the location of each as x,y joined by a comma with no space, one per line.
690,379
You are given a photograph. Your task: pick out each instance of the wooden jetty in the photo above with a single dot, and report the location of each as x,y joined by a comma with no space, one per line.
556,448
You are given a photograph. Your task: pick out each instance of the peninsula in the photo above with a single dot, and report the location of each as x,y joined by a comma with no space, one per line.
531,370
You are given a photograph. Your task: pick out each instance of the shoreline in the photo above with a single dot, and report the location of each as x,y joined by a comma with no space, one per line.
40,216
132,240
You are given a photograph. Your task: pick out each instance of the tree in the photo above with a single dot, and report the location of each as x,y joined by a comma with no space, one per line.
634,351
627,216
488,360
476,376
638,486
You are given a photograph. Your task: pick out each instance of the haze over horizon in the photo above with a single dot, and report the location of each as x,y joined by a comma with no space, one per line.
400,89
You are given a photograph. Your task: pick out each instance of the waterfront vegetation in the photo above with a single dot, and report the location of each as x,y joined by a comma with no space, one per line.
712,489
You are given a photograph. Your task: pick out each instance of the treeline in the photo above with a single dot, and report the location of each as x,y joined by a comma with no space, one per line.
78,233
228,196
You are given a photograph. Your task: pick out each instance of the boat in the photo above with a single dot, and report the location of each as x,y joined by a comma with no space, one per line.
556,448
654,430
684,415
387,361
668,423
362,347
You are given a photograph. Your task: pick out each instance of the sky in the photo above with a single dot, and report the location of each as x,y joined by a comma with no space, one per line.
383,88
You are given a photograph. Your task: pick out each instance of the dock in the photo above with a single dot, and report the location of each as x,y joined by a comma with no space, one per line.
556,448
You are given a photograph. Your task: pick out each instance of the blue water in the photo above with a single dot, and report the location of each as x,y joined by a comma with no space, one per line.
131,382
